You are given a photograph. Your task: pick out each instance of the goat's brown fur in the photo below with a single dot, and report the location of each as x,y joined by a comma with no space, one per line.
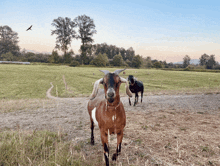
110,116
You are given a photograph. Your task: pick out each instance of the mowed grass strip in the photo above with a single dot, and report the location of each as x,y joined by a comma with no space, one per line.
32,81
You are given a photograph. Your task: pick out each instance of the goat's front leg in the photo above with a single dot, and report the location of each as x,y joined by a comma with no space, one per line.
136,98
104,138
118,149
92,135
129,100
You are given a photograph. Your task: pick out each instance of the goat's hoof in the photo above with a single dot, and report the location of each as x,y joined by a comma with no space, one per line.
114,157
92,142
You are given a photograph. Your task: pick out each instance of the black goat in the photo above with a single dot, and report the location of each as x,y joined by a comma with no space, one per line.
135,86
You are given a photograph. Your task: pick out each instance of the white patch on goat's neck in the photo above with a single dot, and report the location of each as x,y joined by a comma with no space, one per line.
94,117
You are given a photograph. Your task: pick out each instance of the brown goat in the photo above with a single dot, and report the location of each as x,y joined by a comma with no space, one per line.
107,111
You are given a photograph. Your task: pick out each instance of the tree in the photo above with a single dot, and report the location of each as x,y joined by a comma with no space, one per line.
157,65
101,60
148,62
136,61
211,62
68,57
8,41
186,61
203,59
54,57
130,54
117,60
7,57
208,61
65,32
86,30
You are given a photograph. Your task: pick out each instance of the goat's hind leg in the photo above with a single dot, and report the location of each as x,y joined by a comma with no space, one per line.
141,95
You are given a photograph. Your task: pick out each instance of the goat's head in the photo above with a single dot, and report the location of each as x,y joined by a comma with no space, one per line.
111,83
131,79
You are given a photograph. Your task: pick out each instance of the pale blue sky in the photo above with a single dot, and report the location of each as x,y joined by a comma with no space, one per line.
162,29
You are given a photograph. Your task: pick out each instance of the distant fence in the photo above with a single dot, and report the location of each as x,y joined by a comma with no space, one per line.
15,62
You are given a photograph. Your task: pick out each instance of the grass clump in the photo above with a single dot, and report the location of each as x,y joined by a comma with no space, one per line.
37,148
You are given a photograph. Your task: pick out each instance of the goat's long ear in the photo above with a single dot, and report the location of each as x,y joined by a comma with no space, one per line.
123,80
95,88
119,71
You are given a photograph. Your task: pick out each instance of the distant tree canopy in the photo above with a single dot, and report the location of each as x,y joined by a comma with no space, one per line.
86,29
186,61
208,61
147,62
7,56
112,50
203,59
136,61
101,60
98,54
117,60
157,64
8,41
54,57
65,32
211,62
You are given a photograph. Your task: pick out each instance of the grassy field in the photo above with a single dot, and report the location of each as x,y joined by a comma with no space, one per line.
32,81
165,137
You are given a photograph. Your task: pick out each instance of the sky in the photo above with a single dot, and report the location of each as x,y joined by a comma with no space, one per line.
162,29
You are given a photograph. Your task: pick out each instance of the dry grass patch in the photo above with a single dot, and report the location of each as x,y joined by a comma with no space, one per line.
173,138
162,138
24,104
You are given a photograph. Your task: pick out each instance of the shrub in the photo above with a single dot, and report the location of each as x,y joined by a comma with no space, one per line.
74,64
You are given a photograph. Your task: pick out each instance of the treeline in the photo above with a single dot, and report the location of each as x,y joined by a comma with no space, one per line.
100,55
205,62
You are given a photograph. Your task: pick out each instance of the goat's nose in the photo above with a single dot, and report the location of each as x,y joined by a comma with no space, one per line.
111,94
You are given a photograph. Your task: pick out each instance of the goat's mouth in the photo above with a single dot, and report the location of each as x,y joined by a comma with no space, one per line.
110,99
130,83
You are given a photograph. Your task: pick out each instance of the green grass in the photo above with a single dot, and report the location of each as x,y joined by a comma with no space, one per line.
38,148
32,81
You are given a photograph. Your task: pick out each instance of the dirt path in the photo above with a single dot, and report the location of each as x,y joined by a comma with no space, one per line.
69,115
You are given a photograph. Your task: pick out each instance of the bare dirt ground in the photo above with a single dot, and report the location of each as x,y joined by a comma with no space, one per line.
163,130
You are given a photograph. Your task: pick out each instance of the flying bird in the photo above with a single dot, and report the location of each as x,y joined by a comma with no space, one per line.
29,28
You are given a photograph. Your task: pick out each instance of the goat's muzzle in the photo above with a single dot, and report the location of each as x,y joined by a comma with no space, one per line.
131,83
110,95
